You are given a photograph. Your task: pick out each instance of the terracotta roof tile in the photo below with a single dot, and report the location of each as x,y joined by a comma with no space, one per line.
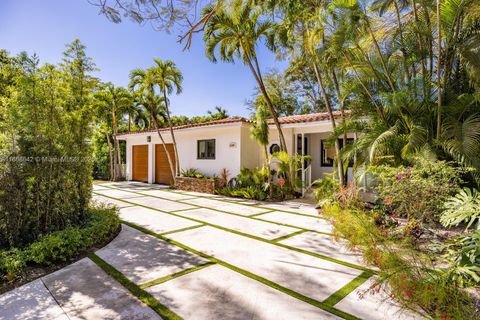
203,124
302,118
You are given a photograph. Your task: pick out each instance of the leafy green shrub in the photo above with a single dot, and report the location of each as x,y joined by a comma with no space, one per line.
404,273
464,254
463,207
417,192
62,246
325,189
12,262
250,192
193,173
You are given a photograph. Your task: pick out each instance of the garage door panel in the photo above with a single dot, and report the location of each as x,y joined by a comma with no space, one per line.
163,174
140,163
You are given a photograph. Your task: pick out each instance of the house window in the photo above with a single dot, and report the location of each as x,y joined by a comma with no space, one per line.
328,152
206,149
274,148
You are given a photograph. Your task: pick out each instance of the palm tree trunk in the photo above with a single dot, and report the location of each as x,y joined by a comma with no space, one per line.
439,64
167,110
110,154
377,107
342,110
402,42
157,127
420,47
379,52
267,160
332,119
283,145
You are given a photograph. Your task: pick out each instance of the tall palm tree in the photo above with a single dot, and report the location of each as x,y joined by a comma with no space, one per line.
218,113
259,131
168,78
236,34
115,101
143,83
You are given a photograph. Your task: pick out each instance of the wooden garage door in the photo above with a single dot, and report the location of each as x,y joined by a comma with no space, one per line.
163,174
140,163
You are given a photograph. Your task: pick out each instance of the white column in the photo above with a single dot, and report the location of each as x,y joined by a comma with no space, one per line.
128,160
151,162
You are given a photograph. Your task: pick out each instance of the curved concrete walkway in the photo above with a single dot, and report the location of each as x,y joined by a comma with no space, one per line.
206,257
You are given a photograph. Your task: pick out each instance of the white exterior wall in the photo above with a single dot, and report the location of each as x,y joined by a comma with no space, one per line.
234,147
228,146
250,152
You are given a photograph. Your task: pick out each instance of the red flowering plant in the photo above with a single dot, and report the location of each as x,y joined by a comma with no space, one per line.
418,191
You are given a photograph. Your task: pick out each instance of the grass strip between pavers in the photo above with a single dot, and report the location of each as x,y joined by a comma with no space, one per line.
288,235
260,206
299,296
253,216
175,275
344,291
310,253
138,292
183,229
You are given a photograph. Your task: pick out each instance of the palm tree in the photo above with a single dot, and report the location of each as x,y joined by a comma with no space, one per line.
218,113
236,33
259,131
114,101
168,77
143,83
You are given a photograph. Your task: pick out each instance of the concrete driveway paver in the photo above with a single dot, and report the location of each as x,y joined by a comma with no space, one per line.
313,277
31,301
325,245
379,306
108,201
310,223
118,194
261,229
160,204
143,258
236,208
153,220
217,292
99,187
293,207
85,291
166,194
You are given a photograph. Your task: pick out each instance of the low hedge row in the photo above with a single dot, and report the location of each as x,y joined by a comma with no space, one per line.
61,246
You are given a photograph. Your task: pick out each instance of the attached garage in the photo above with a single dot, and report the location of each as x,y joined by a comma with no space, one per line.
163,174
140,163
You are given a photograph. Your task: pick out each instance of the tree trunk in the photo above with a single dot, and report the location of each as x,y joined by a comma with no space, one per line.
157,127
402,42
342,111
420,47
167,111
267,160
110,155
379,51
283,145
332,119
377,107
439,64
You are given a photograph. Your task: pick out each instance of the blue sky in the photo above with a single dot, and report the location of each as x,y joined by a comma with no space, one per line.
44,27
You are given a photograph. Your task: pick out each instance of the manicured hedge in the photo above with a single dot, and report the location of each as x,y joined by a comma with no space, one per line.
61,246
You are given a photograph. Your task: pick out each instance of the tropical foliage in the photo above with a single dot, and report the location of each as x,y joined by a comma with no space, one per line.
46,167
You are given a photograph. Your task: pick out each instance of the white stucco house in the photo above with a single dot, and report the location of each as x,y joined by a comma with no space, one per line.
215,145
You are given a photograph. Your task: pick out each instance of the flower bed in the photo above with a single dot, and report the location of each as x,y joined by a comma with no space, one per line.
204,185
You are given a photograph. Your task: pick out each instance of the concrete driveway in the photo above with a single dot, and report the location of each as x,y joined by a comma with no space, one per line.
200,256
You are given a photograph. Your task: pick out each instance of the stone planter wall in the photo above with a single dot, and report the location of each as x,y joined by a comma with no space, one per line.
194,184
